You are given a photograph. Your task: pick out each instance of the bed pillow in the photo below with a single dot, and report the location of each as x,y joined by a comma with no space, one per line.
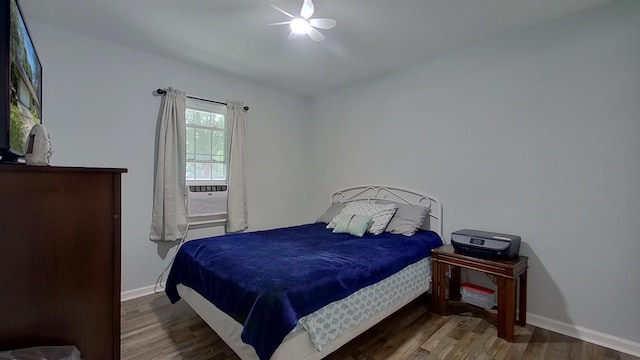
381,215
354,224
331,212
407,219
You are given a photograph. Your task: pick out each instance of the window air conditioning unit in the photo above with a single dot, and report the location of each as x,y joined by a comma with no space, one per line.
207,205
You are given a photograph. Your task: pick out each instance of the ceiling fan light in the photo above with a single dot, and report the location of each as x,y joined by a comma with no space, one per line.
300,26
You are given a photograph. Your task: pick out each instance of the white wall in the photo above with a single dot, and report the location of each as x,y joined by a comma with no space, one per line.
536,134
99,111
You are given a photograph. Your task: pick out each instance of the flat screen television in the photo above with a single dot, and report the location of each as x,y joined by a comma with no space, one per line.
20,83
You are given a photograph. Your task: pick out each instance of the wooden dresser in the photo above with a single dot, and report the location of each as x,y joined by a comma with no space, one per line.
60,258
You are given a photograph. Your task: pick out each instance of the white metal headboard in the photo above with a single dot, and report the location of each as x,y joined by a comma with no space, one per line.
370,193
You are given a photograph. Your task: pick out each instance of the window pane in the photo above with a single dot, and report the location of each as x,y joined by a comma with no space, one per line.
203,171
218,171
189,116
210,118
190,171
197,120
190,142
218,121
203,118
218,145
203,141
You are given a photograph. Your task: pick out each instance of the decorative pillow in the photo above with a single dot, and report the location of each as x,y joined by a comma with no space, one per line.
381,214
331,212
354,224
407,219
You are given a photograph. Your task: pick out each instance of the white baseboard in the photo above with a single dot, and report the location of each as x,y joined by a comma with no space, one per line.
580,333
140,292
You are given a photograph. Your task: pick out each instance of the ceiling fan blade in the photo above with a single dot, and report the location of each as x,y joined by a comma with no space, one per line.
282,11
315,35
307,9
323,23
281,23
292,35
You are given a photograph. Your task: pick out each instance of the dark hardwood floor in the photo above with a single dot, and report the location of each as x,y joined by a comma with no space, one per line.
152,328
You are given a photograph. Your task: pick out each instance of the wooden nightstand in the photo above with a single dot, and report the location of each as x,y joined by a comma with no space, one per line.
504,273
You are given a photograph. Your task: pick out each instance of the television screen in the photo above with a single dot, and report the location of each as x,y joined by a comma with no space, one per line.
25,84
20,83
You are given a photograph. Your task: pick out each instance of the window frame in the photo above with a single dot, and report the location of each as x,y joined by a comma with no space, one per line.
211,107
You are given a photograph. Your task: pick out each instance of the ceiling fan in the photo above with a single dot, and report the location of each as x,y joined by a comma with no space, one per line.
303,24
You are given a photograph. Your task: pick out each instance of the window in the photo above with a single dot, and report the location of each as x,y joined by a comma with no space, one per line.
206,163
206,142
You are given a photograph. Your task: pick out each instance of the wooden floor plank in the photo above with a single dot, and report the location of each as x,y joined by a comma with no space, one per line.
152,329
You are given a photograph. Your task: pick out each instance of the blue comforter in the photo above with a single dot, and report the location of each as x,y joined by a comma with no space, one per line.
267,280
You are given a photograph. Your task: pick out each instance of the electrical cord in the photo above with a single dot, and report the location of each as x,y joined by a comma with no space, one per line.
158,287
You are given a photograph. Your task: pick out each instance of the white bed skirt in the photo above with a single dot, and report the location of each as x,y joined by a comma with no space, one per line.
297,345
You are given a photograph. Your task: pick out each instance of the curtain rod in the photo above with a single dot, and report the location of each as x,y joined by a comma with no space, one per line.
163,91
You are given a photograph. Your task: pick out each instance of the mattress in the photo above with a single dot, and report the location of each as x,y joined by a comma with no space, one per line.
330,326
269,280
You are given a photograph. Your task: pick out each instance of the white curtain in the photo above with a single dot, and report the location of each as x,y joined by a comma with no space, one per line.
237,217
169,217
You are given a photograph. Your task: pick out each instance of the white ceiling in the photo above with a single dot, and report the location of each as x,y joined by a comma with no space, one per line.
372,37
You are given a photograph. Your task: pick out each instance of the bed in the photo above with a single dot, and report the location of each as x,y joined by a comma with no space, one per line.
303,291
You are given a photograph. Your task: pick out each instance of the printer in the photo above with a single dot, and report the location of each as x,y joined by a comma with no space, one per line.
484,244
